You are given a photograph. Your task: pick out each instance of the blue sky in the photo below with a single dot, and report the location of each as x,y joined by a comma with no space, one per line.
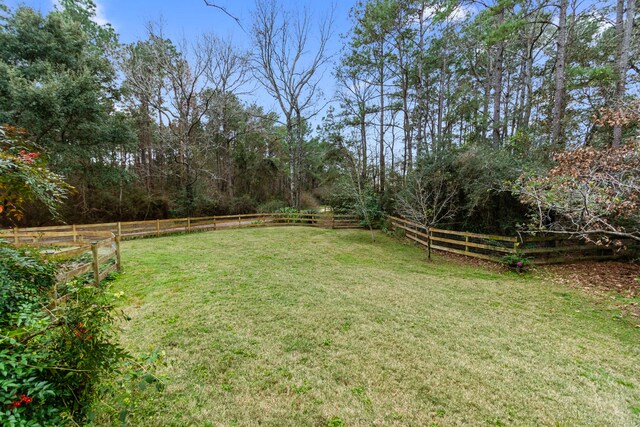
188,19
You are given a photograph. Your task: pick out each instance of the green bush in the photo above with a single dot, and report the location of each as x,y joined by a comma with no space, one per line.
294,215
369,210
57,343
342,199
242,205
271,206
516,262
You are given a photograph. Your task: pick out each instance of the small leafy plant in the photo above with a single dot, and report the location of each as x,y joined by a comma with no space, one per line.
517,262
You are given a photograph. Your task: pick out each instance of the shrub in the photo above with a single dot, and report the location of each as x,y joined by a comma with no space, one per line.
342,199
365,204
308,201
295,216
369,210
58,342
271,206
516,262
242,205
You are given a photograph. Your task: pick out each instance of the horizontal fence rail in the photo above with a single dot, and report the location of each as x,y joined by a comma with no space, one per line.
540,249
97,246
160,227
80,252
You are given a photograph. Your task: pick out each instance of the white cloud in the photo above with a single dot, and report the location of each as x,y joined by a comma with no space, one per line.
460,13
100,18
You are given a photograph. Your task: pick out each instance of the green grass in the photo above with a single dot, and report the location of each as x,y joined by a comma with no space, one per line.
300,326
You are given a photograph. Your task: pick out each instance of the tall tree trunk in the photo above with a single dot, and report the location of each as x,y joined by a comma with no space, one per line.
624,32
363,141
507,97
145,144
497,84
292,162
408,132
382,165
528,85
420,88
443,76
298,156
487,96
558,98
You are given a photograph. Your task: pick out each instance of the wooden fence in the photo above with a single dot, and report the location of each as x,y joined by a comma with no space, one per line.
540,249
97,246
80,251
186,225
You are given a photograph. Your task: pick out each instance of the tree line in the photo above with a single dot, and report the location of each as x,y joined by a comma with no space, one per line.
422,77
440,104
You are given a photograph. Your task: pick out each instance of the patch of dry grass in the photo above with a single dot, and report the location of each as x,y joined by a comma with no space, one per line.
298,326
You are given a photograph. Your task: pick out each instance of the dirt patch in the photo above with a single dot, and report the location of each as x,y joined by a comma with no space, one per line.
599,276
612,282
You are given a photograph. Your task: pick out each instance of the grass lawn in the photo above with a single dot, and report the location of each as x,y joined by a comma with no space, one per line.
301,326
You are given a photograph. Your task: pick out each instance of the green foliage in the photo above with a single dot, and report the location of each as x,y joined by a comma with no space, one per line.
296,216
58,82
342,199
517,262
271,206
335,422
244,204
287,210
366,204
57,342
24,176
476,175
369,210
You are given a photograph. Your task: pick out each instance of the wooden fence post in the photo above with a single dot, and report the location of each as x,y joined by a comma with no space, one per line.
239,224
16,239
94,263
429,243
466,240
214,223
75,233
188,225
118,258
119,234
157,228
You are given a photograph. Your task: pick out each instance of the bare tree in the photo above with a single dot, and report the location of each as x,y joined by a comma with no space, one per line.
429,199
592,194
225,11
229,74
355,96
174,81
290,69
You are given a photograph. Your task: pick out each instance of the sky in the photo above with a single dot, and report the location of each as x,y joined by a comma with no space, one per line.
188,19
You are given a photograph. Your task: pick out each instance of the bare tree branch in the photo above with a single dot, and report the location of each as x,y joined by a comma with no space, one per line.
225,11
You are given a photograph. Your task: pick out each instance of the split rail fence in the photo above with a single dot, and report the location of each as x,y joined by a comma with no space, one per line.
540,249
79,251
96,247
